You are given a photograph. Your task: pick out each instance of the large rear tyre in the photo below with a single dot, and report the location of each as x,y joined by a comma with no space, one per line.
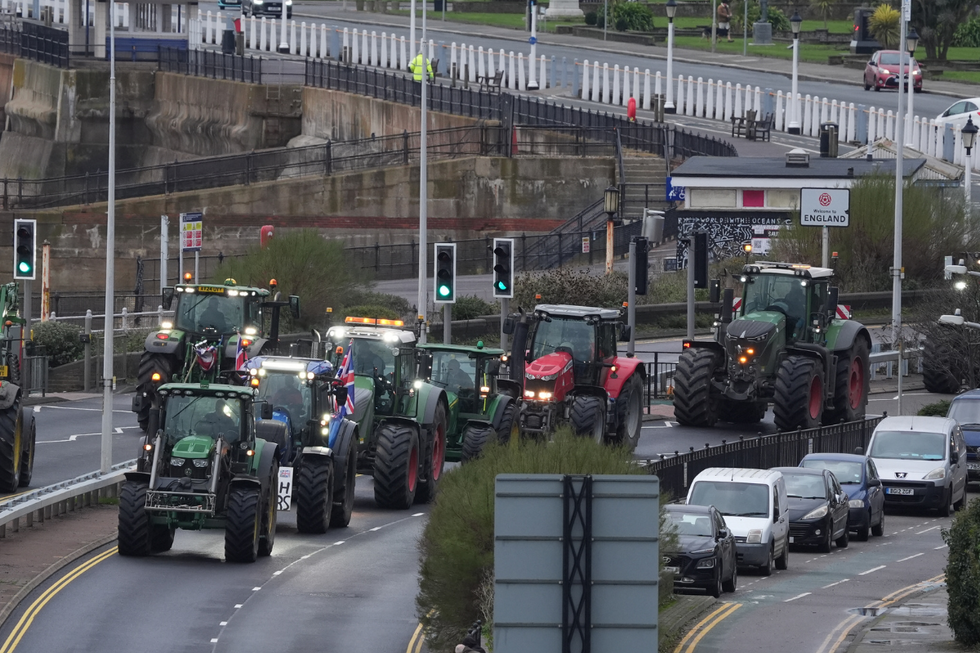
12,446
244,525
27,457
629,409
314,495
588,417
436,458
851,385
134,525
343,488
694,403
161,538
475,437
941,368
509,429
150,363
270,512
798,400
396,466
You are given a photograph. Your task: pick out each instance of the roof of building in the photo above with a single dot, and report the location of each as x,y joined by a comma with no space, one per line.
775,167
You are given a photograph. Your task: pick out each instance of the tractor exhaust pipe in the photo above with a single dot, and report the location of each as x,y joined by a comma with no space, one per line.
518,349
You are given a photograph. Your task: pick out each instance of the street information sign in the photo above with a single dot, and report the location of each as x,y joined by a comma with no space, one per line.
191,229
825,207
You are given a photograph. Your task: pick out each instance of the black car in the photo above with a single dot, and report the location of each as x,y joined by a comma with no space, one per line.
267,8
706,559
818,507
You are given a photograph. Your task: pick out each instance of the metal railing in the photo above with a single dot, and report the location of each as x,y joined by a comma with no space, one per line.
32,40
210,64
778,450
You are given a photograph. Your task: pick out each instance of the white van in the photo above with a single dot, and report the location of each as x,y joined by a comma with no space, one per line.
921,462
756,510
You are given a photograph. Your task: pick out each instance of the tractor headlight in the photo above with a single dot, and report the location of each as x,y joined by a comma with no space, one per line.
201,462
177,462
529,394
544,395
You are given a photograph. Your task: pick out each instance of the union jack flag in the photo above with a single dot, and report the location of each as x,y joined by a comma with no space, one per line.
240,356
346,376
206,356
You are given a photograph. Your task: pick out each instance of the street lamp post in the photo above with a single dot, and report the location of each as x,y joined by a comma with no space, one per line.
423,187
897,267
969,135
671,12
911,41
794,122
611,206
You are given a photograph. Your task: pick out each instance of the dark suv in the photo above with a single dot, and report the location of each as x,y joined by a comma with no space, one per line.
267,8
965,409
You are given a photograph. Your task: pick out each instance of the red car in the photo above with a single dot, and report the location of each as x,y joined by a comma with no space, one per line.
882,72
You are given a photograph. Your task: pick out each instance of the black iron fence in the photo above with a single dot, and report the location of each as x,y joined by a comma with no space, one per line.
778,450
210,64
32,40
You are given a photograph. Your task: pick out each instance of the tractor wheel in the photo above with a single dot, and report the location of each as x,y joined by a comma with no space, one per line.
314,495
161,538
27,457
270,513
475,437
629,409
134,525
436,460
798,401
11,446
941,372
852,384
13,368
396,466
509,429
343,490
694,404
742,412
588,417
243,525
150,363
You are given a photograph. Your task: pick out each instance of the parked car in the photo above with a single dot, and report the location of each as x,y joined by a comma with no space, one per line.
965,409
959,112
817,508
705,559
267,8
859,478
234,4
882,71
921,462
754,504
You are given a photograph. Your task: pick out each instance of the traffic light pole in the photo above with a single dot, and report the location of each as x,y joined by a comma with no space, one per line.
631,301
110,261
504,312
447,324
690,288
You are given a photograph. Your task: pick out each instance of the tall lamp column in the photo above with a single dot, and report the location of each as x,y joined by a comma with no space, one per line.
969,135
911,41
793,126
671,12
611,206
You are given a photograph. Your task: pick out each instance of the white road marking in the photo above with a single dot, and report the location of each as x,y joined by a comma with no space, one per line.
214,640
338,543
910,557
798,596
837,583
419,514
940,547
666,425
928,529
37,409
865,573
276,573
222,623
376,528
256,589
238,605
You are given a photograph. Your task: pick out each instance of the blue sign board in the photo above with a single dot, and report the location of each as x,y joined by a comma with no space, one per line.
675,193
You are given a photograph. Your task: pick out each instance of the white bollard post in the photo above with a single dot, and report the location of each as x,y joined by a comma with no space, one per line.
728,102
511,75
355,54
709,104
302,39
345,45
626,87
374,48
481,68
615,85
324,50
646,89
690,96
596,88
585,80
779,123
490,68
404,57
543,76
521,84
606,89
384,50
262,34
472,65
699,100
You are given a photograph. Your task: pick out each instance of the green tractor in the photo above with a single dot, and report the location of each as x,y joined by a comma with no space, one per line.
203,466
402,420
17,434
319,448
201,343
787,346
481,407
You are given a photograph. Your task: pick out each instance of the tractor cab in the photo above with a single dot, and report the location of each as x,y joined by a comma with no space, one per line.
787,295
467,373
576,338
219,310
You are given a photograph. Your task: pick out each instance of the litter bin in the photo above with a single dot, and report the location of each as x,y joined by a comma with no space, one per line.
437,5
659,100
828,140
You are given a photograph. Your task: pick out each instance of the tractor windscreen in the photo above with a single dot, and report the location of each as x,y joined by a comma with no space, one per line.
776,292
454,371
198,312
575,337
286,391
371,357
212,416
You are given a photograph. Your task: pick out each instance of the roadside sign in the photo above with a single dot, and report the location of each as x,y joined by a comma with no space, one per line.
906,10
586,244
191,232
825,207
675,193
532,40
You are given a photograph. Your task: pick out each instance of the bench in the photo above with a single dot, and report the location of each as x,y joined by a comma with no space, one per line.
490,82
763,128
744,126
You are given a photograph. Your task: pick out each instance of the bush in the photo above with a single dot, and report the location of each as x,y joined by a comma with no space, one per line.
468,307
633,16
456,547
884,24
963,575
357,298
591,18
938,409
568,285
60,341
622,24
968,34
777,18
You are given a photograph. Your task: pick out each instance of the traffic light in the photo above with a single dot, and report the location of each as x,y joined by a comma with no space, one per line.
25,248
503,267
445,277
701,260
641,264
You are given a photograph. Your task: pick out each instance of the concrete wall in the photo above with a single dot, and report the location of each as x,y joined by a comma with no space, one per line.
6,80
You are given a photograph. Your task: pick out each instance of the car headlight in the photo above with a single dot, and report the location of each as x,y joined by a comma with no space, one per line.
886,71
707,563
936,474
177,462
201,462
754,536
816,514
855,503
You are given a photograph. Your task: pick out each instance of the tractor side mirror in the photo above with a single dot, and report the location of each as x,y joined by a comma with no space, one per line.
508,325
425,365
154,421
833,297
265,411
625,331
294,306
493,367
167,297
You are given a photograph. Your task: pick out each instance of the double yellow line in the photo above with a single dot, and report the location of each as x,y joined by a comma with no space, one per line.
28,618
837,636
696,634
414,644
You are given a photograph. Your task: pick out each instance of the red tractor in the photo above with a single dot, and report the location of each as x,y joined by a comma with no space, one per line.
565,366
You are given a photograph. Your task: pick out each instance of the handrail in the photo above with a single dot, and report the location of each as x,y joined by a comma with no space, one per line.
619,158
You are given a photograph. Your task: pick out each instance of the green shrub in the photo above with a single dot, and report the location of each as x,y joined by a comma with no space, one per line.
968,34
591,18
468,307
60,341
940,408
361,297
557,286
777,18
632,16
963,575
456,547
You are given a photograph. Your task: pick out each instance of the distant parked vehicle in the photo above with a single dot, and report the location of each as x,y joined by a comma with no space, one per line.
965,409
817,508
865,496
959,112
883,71
705,559
266,8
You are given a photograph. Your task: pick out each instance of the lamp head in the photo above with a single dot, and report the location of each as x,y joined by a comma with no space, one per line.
795,22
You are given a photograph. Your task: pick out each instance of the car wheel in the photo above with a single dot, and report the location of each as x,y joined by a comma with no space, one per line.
828,540
843,540
717,589
865,531
947,508
730,584
867,86
782,562
766,569
879,529
877,88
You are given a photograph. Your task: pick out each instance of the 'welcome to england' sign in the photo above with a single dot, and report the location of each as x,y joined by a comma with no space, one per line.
825,207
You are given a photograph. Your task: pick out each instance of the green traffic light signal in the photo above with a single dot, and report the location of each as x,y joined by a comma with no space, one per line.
444,290
501,285
24,267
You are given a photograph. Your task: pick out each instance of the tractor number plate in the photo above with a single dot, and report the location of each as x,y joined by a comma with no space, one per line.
285,481
214,289
3,371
